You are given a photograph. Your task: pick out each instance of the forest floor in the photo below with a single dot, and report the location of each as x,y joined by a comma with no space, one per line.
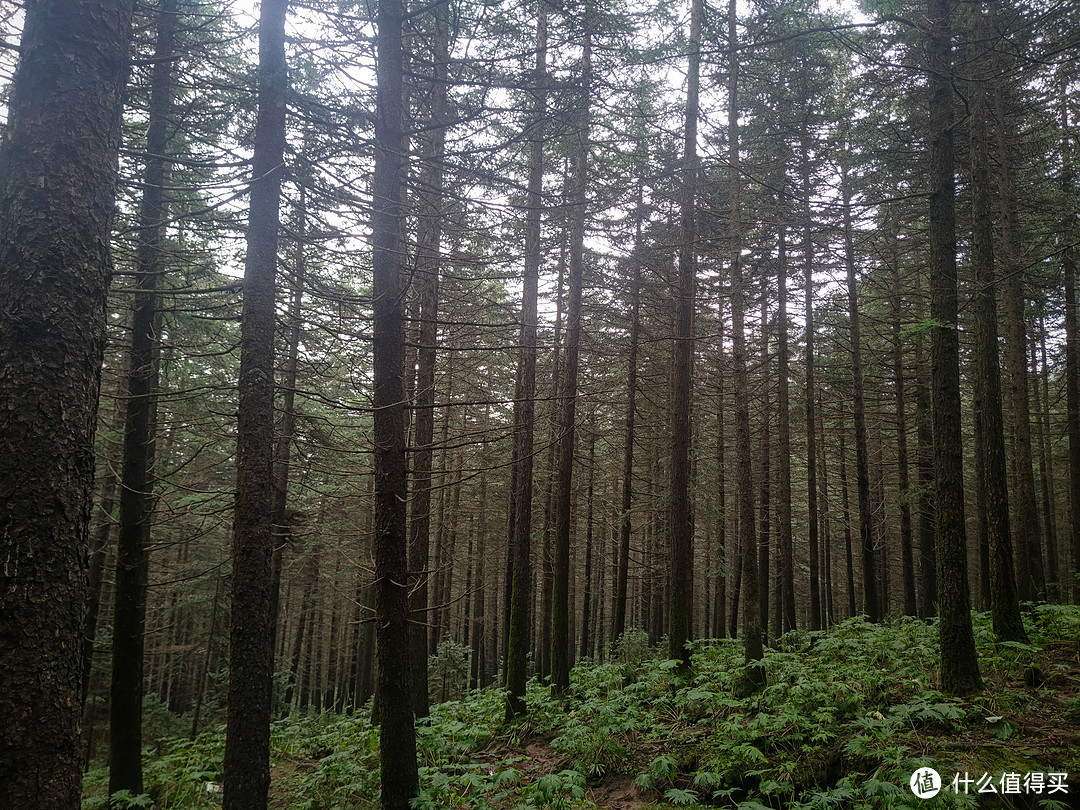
844,720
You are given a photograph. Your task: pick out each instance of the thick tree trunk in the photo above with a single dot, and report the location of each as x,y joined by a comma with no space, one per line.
251,655
57,193
397,738
137,478
959,660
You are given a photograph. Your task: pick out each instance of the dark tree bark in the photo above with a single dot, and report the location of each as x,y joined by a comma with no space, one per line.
846,506
925,479
907,556
137,478
753,644
625,521
586,609
560,594
520,574
287,426
1030,569
871,601
764,505
251,655
429,234
720,611
680,518
811,389
959,660
1004,606
58,164
783,439
397,737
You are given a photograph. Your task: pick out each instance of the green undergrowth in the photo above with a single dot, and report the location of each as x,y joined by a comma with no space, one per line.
844,720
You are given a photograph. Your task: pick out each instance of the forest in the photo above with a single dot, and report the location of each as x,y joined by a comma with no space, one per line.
550,404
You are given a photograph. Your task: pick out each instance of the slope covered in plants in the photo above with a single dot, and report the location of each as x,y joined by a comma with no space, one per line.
846,716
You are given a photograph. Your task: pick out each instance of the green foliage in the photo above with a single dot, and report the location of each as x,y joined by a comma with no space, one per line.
845,719
448,672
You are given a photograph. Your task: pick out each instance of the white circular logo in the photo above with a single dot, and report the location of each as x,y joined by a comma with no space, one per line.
925,783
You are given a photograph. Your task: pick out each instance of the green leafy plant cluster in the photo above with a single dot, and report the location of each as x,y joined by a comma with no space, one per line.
845,717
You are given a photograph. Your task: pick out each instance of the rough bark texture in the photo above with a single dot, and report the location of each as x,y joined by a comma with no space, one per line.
560,594
520,573
57,194
137,478
680,519
959,660
925,480
991,434
251,654
397,737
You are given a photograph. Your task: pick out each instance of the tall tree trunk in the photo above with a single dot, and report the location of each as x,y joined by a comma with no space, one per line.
764,506
1072,349
57,191
680,517
811,389
251,655
871,601
57,195
783,440
959,660
586,610
429,234
1003,595
560,595
907,556
137,478
519,586
720,611
846,503
287,426
1041,371
753,645
625,521
925,481
397,740
1030,573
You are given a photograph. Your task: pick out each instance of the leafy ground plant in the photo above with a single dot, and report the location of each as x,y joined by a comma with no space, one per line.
845,719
